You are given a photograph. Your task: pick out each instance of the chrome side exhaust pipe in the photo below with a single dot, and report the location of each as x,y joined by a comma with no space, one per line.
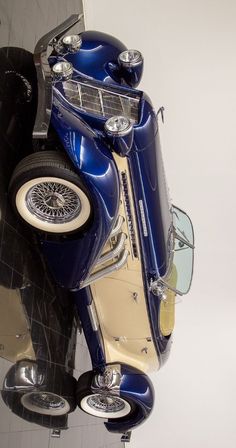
117,227
106,271
114,252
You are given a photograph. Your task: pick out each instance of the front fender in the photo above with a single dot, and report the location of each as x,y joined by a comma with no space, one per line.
137,388
98,56
71,259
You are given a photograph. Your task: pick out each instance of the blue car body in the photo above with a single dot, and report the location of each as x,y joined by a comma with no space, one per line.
92,152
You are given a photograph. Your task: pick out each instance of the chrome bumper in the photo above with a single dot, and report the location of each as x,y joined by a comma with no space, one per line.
44,75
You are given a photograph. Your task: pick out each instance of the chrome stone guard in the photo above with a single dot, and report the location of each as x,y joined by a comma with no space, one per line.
44,75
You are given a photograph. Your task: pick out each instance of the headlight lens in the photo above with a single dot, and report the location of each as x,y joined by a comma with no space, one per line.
118,126
72,43
62,70
130,58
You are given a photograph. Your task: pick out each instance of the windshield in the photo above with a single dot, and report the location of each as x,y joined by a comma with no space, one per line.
179,275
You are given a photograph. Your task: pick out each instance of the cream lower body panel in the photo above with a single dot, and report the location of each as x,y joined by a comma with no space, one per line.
120,300
15,338
124,322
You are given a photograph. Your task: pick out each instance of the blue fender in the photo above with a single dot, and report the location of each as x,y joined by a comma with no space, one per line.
71,258
98,56
137,388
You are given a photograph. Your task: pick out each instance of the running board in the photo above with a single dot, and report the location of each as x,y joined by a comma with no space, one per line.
106,271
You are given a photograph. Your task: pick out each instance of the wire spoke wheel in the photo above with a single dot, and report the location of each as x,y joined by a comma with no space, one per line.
106,403
45,403
105,406
48,194
53,202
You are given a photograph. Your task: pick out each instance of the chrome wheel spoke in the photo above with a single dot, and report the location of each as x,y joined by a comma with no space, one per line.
53,202
46,400
106,403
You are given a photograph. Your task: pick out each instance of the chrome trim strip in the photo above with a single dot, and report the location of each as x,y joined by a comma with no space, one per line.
43,71
106,271
115,251
143,218
93,316
101,101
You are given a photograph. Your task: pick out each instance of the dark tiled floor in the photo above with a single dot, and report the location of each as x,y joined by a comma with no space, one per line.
51,317
50,314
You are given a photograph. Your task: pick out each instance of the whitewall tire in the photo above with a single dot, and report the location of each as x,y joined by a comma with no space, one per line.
48,193
105,406
45,403
68,210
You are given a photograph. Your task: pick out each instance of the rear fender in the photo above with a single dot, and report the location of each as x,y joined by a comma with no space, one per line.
137,388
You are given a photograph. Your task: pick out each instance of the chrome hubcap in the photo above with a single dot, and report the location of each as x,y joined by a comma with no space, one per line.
106,403
53,202
46,400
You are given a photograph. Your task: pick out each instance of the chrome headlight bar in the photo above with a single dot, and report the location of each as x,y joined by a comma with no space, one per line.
44,75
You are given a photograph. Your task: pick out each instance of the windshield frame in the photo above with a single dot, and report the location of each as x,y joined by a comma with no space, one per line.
173,236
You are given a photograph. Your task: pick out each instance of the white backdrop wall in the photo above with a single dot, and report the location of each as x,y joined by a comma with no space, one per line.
190,67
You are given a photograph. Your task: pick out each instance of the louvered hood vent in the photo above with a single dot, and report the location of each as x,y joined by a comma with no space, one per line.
102,102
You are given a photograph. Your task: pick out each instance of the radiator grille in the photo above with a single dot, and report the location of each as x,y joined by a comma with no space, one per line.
102,102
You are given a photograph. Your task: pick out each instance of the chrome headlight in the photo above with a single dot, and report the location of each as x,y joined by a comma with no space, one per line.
118,126
62,70
131,66
130,58
120,131
72,43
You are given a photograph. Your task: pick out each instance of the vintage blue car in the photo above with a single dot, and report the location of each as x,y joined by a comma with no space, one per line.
94,189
